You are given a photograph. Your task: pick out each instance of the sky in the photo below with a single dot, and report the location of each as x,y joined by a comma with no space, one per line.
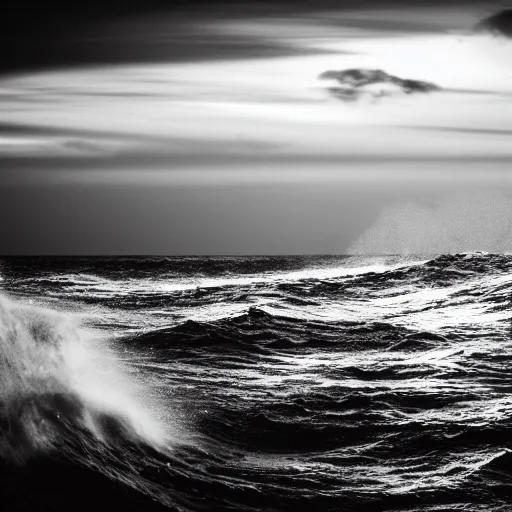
207,130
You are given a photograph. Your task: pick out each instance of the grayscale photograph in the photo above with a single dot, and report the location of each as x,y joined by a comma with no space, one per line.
256,256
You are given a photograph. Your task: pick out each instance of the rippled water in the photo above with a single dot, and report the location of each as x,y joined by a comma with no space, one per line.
330,383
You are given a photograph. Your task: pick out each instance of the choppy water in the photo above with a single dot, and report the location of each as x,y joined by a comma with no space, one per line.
263,383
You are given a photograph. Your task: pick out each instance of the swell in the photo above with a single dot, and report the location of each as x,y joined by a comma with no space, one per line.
440,272
258,330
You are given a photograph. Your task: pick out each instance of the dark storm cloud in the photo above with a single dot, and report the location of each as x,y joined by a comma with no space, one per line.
126,48
499,24
352,83
47,34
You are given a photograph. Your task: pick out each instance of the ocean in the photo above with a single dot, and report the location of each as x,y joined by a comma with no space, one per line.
328,383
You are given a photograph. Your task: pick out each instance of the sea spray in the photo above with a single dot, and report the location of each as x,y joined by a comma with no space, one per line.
465,221
51,381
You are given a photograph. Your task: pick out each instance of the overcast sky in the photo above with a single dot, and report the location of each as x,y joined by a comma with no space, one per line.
171,133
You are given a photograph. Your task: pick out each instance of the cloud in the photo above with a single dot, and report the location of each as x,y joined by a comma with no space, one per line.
460,222
354,83
492,132
499,24
164,35
84,147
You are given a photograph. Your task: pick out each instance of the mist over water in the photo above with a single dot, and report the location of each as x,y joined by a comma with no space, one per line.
460,222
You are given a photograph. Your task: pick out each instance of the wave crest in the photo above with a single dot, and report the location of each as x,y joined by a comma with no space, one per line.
50,382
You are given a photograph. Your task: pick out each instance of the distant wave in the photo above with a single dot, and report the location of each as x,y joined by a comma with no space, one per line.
290,320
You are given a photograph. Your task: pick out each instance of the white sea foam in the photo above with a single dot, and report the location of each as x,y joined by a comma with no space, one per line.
54,377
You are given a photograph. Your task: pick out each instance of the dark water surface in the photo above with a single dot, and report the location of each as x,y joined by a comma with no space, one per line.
264,383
